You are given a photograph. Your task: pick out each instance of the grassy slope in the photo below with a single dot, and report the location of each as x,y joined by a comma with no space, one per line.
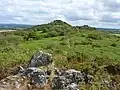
78,44
84,49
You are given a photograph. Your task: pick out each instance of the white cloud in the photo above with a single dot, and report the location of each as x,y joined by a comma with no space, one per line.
100,13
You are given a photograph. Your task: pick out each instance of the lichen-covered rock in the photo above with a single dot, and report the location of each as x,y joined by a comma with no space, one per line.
59,82
40,59
69,80
62,83
72,86
74,76
37,75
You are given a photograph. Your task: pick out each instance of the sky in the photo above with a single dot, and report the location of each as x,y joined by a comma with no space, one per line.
97,13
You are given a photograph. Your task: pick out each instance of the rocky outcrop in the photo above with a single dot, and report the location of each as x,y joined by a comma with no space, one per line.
69,80
36,75
34,78
40,59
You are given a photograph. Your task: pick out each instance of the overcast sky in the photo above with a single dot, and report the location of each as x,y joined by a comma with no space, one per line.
98,13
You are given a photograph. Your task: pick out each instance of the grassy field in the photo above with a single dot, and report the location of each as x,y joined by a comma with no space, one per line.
84,44
116,34
81,49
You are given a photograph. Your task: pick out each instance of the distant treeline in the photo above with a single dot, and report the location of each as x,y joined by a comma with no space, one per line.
14,26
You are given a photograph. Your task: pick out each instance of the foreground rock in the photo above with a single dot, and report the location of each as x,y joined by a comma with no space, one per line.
40,59
37,76
16,82
69,80
34,78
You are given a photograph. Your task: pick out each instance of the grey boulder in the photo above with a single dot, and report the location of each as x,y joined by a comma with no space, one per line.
36,75
40,59
72,86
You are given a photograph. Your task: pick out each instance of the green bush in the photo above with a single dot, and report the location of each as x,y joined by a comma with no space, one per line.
52,34
94,36
114,45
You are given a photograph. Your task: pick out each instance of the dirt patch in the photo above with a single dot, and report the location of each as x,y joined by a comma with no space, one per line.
113,69
5,72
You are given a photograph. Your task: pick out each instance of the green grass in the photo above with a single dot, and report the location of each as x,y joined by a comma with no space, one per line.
86,49
116,34
73,44
71,47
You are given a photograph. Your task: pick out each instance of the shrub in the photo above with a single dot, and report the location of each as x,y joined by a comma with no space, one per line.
64,43
94,45
86,43
77,43
94,36
52,34
114,45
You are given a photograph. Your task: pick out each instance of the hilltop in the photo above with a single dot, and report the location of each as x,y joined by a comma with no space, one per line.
58,24
55,28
